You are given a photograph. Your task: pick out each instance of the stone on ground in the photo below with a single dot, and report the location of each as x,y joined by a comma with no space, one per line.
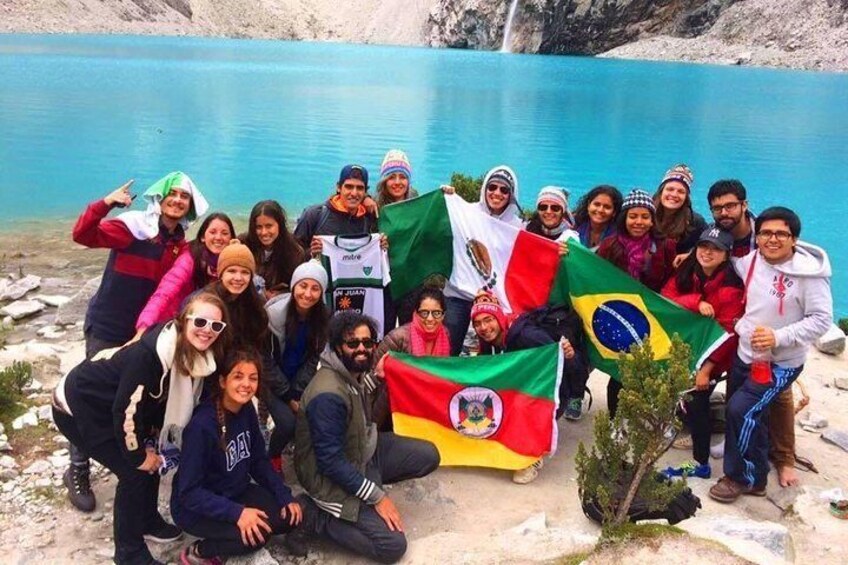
832,342
764,543
19,288
22,308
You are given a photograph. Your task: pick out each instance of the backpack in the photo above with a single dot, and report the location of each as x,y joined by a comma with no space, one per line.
558,321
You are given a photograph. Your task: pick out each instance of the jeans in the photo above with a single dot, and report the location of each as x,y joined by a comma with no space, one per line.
457,318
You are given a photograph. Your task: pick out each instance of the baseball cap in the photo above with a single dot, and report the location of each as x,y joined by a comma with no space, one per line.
718,237
353,172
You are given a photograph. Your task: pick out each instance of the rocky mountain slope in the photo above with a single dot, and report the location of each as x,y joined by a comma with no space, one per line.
807,34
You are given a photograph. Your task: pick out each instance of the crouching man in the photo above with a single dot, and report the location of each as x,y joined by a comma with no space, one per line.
340,458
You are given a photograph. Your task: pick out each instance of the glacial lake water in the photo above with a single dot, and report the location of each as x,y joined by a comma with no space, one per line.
250,120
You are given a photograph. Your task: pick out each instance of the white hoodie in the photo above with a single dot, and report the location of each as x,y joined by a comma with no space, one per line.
792,298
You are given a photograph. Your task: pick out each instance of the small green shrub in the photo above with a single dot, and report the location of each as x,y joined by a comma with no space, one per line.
12,381
467,186
843,324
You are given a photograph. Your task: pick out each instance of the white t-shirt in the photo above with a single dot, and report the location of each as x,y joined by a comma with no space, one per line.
358,272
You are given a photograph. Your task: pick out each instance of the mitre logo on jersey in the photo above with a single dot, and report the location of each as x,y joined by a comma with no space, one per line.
476,412
352,299
352,257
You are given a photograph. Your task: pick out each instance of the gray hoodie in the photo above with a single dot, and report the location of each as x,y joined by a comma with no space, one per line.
792,298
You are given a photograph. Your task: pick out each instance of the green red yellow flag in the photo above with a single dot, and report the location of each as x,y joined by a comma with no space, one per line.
485,411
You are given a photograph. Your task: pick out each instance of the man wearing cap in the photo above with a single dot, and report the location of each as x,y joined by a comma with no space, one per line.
144,246
498,335
342,214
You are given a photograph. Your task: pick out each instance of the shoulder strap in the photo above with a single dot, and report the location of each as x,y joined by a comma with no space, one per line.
748,278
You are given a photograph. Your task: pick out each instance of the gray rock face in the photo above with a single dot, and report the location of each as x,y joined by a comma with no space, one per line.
836,437
19,288
73,311
761,542
22,308
584,27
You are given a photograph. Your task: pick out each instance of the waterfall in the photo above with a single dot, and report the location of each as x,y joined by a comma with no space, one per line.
506,46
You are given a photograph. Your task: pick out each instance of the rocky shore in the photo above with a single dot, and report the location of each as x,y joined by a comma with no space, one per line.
797,34
456,515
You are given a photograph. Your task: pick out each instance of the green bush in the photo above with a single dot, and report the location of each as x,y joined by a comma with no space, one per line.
467,186
13,379
843,324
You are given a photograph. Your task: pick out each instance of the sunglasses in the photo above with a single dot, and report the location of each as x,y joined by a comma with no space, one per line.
499,187
216,326
545,207
367,343
436,314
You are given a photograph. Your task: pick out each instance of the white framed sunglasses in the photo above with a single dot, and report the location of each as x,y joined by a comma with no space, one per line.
199,322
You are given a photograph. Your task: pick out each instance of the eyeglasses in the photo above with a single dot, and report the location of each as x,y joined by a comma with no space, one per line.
553,208
780,235
435,314
216,326
499,187
730,207
367,343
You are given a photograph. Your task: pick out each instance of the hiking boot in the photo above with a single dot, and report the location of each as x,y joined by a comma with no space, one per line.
528,474
574,409
689,469
190,556
163,532
77,480
727,490
297,540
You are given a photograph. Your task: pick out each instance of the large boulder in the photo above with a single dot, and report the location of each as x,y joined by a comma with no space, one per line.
760,542
73,311
22,308
832,342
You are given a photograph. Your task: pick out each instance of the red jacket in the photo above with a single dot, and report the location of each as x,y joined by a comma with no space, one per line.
725,296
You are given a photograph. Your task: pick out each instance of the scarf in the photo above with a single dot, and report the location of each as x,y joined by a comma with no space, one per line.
183,390
337,205
636,251
421,338
585,232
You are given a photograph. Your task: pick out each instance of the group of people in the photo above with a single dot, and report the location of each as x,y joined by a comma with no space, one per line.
192,345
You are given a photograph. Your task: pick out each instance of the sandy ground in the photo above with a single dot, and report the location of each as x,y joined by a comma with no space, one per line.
463,515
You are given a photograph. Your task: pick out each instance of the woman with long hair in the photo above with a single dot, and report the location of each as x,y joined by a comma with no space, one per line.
594,217
395,184
225,491
190,272
275,250
707,283
298,334
675,218
128,408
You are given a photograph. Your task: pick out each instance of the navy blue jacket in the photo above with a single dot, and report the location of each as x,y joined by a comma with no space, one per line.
209,479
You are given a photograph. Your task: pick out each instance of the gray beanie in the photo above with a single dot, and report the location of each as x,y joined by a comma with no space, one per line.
312,269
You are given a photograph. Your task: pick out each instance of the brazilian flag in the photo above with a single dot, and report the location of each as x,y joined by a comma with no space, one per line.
618,312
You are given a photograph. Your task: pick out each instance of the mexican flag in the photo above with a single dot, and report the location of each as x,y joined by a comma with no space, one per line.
485,411
443,234
438,233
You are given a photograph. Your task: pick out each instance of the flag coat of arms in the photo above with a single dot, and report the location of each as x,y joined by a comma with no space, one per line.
438,233
485,411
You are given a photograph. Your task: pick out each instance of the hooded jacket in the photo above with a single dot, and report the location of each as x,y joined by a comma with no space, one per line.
512,212
335,440
792,298
275,380
325,219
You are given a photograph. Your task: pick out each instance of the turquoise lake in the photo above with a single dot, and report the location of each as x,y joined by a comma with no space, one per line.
250,120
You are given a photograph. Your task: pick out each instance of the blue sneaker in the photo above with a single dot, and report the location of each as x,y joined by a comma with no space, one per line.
689,469
574,409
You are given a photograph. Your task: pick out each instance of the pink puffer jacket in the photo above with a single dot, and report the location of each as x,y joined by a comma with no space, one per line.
174,287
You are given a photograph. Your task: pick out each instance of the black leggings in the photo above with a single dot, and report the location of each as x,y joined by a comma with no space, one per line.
223,539
284,422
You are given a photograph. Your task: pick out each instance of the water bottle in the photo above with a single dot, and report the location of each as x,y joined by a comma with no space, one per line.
761,366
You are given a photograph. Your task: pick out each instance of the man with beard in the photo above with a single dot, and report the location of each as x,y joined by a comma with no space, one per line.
340,458
729,206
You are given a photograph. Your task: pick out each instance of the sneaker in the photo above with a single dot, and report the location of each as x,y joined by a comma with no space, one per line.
297,540
682,441
189,556
574,409
717,451
77,480
689,469
727,490
163,532
528,474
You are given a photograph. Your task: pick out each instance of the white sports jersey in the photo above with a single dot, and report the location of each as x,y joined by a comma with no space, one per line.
358,272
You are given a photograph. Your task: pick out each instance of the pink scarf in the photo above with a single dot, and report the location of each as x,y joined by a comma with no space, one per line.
636,250
421,338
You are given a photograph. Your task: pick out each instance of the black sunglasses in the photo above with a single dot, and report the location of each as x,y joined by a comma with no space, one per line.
498,187
367,343
553,207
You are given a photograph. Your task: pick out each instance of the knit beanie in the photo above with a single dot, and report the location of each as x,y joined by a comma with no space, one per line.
236,254
396,161
638,198
313,270
553,195
487,303
681,173
504,175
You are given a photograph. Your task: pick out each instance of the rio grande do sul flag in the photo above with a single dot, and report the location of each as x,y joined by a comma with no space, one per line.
618,312
443,234
485,411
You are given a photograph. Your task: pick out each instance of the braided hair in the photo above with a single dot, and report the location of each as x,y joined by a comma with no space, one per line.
233,360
